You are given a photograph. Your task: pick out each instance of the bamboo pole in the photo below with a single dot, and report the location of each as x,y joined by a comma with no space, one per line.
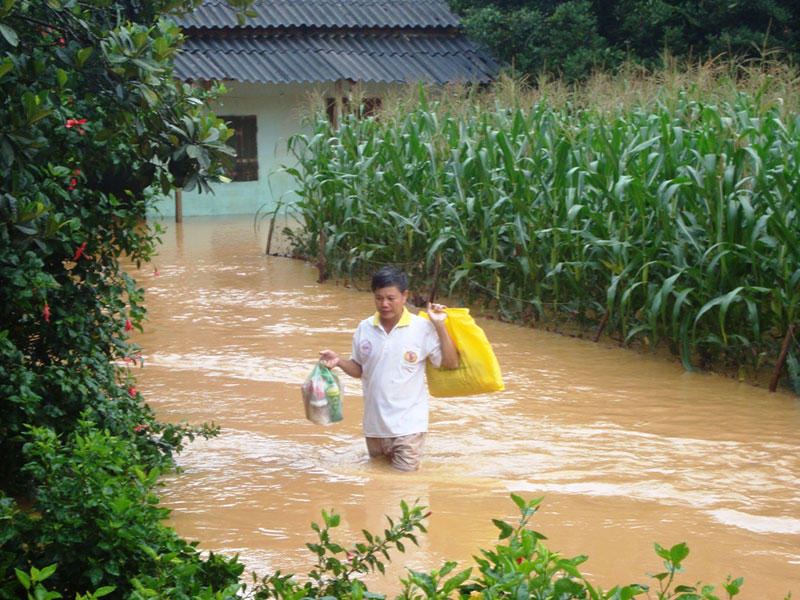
773,384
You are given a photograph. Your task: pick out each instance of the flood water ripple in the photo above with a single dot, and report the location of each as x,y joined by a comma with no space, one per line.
626,449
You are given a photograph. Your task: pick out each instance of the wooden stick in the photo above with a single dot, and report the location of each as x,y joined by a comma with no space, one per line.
179,205
322,263
773,384
269,237
603,322
432,294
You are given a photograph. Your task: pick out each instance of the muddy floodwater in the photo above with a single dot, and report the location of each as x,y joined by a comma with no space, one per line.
626,449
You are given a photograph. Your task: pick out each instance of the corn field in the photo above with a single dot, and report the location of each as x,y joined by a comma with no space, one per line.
675,222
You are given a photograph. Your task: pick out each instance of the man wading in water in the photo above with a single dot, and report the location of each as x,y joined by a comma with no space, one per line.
389,352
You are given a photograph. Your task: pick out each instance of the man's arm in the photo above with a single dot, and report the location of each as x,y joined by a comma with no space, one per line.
330,359
449,350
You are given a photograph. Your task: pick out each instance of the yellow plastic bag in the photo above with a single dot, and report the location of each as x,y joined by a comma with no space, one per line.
478,371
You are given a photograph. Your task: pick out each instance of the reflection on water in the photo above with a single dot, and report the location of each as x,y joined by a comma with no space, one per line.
626,449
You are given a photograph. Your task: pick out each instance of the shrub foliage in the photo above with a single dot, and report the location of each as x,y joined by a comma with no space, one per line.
93,126
572,37
519,567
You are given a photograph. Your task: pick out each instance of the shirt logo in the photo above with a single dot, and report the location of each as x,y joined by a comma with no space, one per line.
365,347
410,357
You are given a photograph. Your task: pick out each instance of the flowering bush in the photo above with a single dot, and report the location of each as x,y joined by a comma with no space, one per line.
93,127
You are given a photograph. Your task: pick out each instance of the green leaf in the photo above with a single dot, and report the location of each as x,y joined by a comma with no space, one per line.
6,66
38,115
47,571
661,551
9,34
83,55
456,581
150,96
27,230
678,553
193,151
733,587
61,76
24,579
505,529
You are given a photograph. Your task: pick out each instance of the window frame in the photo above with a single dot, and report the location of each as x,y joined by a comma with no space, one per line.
245,141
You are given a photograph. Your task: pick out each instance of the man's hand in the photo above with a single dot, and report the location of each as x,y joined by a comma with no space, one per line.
449,352
329,358
436,312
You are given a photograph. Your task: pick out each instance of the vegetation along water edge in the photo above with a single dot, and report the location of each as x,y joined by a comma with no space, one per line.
659,207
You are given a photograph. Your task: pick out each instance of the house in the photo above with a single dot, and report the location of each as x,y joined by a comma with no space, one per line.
294,48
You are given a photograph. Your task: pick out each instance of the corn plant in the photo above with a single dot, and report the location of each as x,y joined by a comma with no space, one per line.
674,221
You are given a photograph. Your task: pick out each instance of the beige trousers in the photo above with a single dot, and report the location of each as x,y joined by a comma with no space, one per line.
405,451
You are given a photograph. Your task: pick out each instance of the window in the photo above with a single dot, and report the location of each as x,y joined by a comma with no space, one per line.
243,140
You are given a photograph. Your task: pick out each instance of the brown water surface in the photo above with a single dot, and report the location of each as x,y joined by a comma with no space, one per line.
626,449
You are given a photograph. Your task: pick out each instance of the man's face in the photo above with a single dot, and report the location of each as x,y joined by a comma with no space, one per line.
389,302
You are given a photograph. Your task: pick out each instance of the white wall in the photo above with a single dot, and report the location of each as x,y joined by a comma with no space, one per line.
280,111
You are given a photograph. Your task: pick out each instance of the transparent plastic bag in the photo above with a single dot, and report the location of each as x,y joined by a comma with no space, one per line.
322,396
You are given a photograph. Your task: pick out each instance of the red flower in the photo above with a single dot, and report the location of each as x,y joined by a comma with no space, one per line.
132,391
156,273
76,124
350,556
79,252
128,359
128,325
46,312
72,183
139,428
61,42
77,172
519,560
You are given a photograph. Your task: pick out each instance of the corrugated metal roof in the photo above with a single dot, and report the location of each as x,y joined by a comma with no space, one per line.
296,57
213,14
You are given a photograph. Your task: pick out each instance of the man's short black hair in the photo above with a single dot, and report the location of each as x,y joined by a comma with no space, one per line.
389,276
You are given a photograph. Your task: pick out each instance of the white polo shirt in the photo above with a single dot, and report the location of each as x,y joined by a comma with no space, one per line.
393,373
